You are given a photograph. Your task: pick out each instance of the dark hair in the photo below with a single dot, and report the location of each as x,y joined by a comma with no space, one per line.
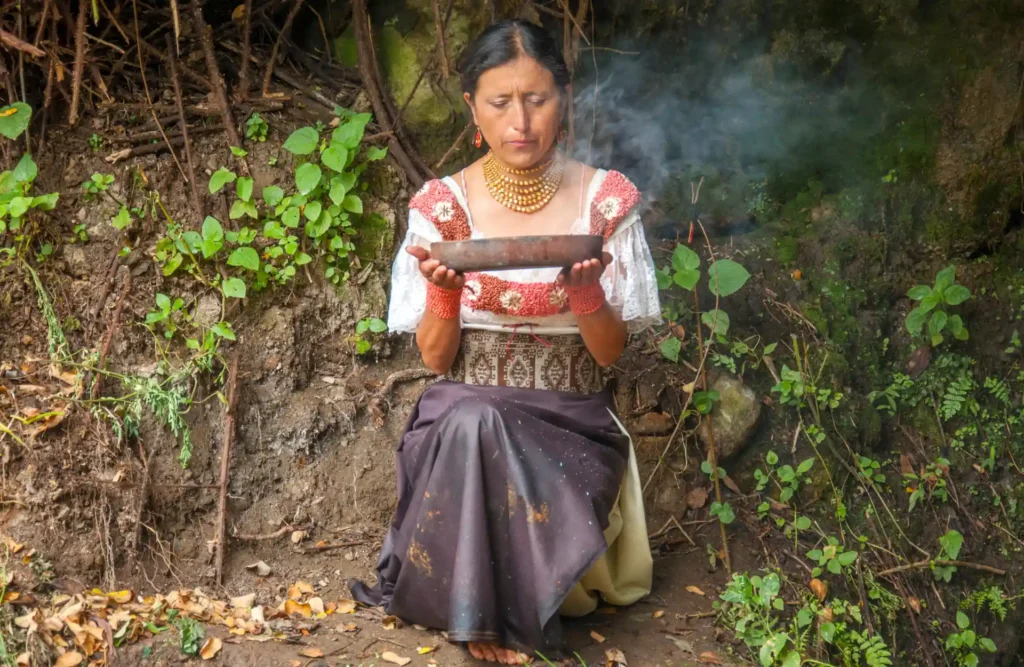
503,42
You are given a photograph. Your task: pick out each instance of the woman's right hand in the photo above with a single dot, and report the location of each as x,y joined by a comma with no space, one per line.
434,272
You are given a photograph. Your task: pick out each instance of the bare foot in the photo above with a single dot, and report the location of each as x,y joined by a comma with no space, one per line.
492,653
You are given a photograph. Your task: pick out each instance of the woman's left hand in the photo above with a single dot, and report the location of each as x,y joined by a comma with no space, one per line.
584,273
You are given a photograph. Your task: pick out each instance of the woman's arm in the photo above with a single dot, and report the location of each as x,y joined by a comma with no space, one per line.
602,329
439,333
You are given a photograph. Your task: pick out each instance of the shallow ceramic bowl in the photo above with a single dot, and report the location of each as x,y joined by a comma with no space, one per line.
519,252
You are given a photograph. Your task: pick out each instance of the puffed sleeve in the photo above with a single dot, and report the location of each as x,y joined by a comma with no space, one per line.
629,282
408,286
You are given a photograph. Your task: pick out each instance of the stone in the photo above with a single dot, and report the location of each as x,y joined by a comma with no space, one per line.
208,311
77,262
654,423
734,417
649,387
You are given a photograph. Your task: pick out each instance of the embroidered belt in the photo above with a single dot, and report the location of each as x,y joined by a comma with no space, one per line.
522,360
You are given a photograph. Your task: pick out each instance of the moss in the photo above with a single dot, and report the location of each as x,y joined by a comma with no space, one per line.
787,249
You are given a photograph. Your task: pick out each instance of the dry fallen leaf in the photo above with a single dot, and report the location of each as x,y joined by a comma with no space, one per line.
295,663
820,589
243,601
120,597
423,650
298,536
389,622
293,607
906,467
256,614
316,605
69,659
13,546
311,653
615,658
697,498
262,569
347,627
388,656
345,607
731,485
681,644
695,590
210,648
915,604
659,613
22,660
599,638
709,658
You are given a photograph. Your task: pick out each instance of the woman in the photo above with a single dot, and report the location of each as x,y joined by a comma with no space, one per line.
519,498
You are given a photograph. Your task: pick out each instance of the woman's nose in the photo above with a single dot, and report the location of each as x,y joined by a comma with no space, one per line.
520,118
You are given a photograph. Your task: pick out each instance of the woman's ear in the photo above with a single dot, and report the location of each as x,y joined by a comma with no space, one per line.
472,107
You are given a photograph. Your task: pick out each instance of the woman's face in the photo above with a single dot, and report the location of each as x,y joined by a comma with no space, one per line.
518,108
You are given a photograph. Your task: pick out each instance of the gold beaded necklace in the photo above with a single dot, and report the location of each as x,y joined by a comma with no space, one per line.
517,189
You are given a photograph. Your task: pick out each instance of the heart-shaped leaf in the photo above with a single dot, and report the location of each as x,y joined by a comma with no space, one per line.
302,141
726,277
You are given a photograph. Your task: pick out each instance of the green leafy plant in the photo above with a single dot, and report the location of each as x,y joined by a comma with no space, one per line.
95,142
256,128
870,471
933,301
929,484
366,329
97,183
191,633
167,316
950,545
963,643
901,382
17,199
724,278
750,610
833,557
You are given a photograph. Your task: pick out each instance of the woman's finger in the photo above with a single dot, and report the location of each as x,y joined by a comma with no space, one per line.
428,267
419,253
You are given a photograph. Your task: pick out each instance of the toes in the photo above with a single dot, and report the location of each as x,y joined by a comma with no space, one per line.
488,653
474,650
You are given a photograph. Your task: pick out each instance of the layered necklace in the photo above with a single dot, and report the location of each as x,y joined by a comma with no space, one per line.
523,190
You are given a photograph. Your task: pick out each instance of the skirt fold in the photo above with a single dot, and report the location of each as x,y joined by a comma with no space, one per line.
504,496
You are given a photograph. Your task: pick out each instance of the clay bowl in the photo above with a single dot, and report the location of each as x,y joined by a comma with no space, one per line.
519,252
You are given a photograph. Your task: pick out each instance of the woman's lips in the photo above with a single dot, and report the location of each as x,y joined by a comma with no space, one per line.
519,143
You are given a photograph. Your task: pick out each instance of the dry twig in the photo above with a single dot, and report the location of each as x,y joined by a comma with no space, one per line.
76,86
197,199
216,81
225,460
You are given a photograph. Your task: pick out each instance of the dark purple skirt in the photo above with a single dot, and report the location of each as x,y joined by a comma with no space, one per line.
503,499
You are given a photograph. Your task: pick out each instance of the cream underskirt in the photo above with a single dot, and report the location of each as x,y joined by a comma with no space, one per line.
623,573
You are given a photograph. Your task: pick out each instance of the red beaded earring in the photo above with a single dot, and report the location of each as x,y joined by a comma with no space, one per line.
478,140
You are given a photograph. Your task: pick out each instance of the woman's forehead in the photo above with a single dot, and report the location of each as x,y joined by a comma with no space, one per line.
524,74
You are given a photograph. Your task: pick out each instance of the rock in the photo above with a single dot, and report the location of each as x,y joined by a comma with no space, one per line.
649,387
208,311
734,417
671,498
654,423
78,263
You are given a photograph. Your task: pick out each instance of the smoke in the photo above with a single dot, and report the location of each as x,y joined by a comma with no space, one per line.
668,111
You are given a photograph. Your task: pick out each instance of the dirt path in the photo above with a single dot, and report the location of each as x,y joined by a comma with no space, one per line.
671,627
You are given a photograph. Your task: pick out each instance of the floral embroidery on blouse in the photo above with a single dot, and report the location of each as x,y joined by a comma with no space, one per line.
505,297
616,196
437,203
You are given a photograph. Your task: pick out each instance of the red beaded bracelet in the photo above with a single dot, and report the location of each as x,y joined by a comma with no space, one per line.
586,300
445,303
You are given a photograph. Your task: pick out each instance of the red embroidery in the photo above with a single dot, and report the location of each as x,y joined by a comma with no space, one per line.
504,297
614,199
437,203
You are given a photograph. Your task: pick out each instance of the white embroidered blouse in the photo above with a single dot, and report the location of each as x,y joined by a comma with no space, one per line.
629,282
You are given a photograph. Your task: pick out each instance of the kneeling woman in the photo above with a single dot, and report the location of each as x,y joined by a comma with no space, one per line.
519,498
